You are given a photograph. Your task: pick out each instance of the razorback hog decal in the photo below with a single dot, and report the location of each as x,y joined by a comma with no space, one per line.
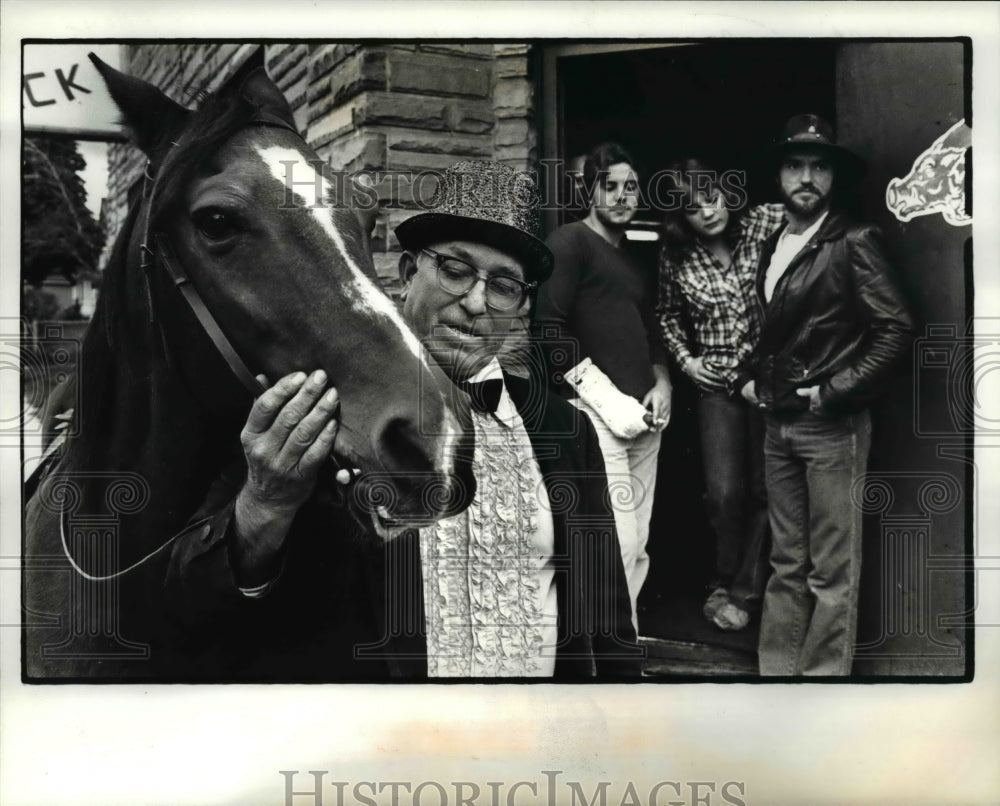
936,182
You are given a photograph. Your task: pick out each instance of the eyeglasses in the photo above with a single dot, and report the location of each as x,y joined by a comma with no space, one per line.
458,277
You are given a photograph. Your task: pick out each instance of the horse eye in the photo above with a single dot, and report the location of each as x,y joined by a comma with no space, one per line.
214,224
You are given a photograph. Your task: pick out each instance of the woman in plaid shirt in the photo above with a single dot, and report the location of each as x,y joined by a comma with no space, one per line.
710,323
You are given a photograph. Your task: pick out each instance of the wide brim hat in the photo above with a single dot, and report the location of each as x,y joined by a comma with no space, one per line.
812,131
486,202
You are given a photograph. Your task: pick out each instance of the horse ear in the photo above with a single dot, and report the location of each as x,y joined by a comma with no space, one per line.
152,117
264,94
255,86
252,63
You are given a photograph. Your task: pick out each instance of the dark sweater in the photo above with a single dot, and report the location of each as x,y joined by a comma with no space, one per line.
598,304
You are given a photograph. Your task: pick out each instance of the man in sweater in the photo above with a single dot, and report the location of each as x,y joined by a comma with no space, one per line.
600,301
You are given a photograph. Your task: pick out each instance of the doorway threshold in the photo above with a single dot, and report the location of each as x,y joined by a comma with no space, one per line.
680,641
667,658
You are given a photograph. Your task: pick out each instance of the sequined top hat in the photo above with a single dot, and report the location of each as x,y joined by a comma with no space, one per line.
486,202
814,132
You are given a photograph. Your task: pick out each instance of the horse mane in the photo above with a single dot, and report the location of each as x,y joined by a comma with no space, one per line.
121,346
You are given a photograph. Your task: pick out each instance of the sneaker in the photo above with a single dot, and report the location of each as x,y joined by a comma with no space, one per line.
716,600
730,617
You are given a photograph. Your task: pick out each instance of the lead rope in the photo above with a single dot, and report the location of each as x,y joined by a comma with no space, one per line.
49,457
149,184
91,577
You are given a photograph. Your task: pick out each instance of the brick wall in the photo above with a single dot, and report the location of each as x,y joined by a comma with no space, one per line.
515,136
388,107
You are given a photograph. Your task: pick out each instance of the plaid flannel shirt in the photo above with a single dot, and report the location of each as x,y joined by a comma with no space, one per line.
709,311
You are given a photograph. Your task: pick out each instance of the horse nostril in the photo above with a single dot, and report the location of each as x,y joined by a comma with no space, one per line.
409,455
403,448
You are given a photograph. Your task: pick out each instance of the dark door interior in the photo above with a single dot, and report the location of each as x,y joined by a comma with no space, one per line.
725,103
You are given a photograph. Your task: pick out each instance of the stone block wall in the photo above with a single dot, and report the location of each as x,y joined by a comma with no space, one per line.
411,107
515,136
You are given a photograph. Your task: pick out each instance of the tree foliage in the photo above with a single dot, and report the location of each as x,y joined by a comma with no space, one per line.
60,234
38,305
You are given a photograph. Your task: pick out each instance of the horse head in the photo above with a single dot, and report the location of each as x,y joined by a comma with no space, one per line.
242,216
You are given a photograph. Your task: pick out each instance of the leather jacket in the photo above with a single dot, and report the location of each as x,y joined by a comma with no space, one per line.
836,319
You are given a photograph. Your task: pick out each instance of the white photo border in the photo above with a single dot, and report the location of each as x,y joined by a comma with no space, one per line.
786,744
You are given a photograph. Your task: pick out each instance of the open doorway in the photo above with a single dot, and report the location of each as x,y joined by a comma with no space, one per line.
724,102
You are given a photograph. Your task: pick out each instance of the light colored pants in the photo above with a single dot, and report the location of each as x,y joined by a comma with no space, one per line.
630,465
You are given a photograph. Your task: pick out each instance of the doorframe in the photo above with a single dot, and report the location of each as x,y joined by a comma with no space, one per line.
551,103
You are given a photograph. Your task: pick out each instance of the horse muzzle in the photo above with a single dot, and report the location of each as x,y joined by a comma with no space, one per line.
394,504
423,473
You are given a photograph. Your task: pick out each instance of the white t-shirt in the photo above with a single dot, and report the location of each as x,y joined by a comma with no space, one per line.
788,247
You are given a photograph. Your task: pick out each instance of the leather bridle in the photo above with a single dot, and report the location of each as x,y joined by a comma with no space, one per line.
155,245
182,282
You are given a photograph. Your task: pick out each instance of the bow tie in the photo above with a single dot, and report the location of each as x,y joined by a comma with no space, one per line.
484,395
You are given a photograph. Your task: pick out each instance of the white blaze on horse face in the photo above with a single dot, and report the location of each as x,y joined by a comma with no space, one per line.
364,295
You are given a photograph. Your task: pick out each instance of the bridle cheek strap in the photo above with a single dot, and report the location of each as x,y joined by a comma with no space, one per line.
182,282
263,117
190,294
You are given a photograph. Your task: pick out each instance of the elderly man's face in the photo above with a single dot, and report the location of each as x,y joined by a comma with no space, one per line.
462,331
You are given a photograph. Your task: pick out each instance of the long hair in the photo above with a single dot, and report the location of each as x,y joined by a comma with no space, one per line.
684,178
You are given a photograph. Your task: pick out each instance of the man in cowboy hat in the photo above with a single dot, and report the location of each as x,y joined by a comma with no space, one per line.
834,325
527,581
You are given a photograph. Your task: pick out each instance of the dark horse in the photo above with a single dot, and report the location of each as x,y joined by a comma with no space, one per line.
234,261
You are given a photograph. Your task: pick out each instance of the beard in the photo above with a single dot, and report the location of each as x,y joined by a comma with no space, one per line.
806,206
616,218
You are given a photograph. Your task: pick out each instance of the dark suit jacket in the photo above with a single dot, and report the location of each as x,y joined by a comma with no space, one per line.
349,607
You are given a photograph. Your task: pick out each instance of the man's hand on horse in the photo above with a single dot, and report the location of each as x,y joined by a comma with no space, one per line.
288,436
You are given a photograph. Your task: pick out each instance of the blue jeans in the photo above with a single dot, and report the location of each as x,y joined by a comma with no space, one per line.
732,436
809,620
